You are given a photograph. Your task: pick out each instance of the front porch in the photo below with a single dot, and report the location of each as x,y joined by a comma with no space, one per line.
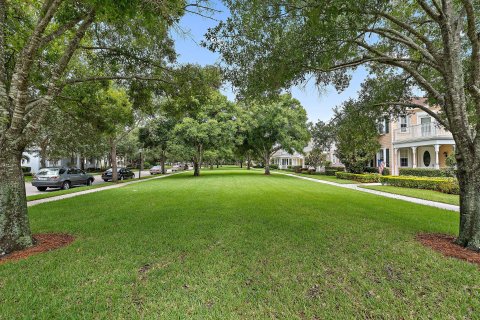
427,156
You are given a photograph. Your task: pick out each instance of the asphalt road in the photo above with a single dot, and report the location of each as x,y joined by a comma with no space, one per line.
31,190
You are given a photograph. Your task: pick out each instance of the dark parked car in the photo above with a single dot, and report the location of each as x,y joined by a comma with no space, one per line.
57,177
122,173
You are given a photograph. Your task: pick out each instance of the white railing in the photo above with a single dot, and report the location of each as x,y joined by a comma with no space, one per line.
421,131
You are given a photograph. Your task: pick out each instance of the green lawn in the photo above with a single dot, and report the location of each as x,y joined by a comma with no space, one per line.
325,178
419,193
236,244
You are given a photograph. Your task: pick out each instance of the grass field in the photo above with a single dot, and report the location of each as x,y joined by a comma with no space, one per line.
325,178
419,193
239,245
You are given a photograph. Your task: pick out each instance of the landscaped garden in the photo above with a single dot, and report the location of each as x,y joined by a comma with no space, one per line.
419,193
239,244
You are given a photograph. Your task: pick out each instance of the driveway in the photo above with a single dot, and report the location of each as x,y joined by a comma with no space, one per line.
31,190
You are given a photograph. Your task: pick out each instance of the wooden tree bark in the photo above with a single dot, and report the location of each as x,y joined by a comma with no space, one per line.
14,225
197,163
113,159
267,163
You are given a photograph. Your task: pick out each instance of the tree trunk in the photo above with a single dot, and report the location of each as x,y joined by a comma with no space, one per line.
249,163
267,163
141,166
469,181
197,164
241,164
196,168
14,225
113,159
162,162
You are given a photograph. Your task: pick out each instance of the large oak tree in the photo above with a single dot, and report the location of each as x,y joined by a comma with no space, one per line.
433,45
47,46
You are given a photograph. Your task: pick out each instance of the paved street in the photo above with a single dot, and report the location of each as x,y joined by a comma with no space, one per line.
31,190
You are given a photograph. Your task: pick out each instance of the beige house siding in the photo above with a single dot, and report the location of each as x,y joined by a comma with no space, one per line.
418,140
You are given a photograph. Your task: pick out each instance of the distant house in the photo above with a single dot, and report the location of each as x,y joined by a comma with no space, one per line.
414,140
284,159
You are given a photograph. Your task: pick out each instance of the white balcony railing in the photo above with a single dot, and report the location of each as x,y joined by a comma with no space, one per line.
421,131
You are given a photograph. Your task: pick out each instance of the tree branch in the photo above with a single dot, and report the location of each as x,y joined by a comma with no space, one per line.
115,77
419,106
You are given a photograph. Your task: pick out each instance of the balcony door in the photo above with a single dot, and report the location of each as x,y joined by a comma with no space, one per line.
426,126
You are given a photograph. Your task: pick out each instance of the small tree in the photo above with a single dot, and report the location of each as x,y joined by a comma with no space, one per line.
356,136
157,135
280,123
316,158
213,125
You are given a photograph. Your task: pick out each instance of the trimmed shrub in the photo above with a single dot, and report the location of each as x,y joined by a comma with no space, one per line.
274,166
445,185
363,178
26,169
386,171
297,169
27,174
424,172
330,171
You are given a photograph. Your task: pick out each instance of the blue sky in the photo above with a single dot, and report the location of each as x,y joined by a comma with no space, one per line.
318,104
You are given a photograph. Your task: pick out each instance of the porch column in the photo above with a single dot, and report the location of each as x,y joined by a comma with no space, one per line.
385,156
395,164
437,162
414,152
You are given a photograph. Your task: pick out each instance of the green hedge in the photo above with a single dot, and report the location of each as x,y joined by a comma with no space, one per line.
26,169
423,172
330,171
363,178
445,185
386,171
274,166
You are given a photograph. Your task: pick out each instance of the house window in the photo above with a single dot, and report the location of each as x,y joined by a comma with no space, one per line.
387,125
403,124
404,157
427,159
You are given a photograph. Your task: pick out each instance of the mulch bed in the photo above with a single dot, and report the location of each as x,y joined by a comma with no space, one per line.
43,242
445,245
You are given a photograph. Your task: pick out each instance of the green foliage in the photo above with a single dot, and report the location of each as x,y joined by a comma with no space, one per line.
356,136
274,124
423,172
331,171
445,185
362,178
26,169
316,158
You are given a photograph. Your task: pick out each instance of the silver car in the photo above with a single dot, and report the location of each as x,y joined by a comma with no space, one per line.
58,177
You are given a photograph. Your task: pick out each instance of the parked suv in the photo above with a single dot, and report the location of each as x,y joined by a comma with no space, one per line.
122,174
58,177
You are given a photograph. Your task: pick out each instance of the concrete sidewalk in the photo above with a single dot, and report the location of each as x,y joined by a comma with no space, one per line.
357,187
107,187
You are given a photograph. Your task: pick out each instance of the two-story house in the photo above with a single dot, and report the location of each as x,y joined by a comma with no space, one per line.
414,140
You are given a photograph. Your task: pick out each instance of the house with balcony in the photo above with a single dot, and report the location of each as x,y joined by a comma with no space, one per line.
414,140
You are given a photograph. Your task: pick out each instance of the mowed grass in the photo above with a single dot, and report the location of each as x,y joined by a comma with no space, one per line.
239,245
419,193
325,178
